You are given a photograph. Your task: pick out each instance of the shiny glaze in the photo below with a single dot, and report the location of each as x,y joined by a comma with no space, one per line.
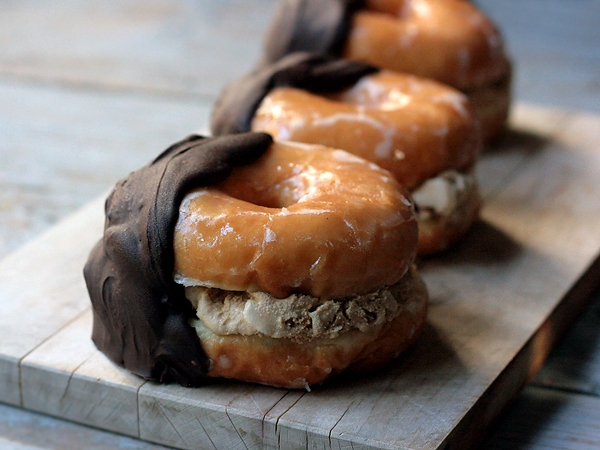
450,41
302,219
413,127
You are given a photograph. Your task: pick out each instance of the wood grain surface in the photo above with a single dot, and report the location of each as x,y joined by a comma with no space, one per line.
499,302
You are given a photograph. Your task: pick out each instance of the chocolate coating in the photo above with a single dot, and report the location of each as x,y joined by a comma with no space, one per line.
316,26
140,313
235,107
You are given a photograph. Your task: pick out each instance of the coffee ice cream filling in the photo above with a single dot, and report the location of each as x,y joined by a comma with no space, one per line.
299,317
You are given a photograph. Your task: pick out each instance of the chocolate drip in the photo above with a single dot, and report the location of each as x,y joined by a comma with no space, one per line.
238,102
140,313
316,26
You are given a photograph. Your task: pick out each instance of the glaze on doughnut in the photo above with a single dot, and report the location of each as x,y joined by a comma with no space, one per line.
413,127
302,219
450,41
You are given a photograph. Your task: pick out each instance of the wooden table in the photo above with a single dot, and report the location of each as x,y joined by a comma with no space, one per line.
91,90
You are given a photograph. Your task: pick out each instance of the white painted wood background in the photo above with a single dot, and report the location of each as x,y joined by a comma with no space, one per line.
91,90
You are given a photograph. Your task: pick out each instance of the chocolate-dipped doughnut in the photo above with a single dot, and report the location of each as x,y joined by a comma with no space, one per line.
450,41
215,263
420,130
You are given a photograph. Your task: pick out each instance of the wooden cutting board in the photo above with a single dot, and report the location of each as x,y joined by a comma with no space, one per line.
498,304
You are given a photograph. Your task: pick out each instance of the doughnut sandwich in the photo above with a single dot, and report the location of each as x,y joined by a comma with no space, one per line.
239,257
451,41
420,130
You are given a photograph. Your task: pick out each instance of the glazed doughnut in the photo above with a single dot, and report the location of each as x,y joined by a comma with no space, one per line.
413,127
292,331
302,219
450,41
300,260
417,129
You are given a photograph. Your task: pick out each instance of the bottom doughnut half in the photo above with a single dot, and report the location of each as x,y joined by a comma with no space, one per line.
358,337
